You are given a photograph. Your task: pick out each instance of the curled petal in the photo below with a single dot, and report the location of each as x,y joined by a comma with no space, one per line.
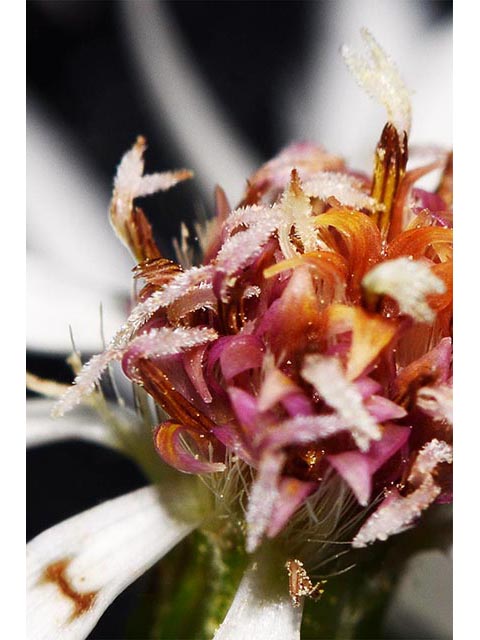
193,364
424,199
186,449
432,367
417,243
361,239
230,437
241,353
246,409
329,269
443,271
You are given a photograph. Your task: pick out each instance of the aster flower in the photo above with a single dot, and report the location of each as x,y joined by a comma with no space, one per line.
299,378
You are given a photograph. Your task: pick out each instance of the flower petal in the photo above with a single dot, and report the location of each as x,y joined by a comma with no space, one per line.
66,205
77,304
78,567
434,366
370,334
275,387
172,84
358,468
262,608
186,449
82,424
241,353
383,409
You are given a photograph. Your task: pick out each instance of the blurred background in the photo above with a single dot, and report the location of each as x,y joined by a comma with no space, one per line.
218,87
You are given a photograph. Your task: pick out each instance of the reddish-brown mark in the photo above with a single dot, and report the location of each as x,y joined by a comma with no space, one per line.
56,573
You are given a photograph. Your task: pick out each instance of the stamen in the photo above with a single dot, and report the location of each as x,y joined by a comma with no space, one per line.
377,74
326,375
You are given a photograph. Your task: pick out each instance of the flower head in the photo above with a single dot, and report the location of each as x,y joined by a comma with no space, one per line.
305,366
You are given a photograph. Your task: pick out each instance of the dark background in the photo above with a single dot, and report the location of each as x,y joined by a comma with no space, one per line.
78,70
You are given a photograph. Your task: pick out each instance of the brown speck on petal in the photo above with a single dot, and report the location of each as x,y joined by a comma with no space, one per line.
56,572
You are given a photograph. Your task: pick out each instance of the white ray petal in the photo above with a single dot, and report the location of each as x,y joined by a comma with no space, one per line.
262,607
212,147
422,601
77,568
81,424
67,208
57,300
